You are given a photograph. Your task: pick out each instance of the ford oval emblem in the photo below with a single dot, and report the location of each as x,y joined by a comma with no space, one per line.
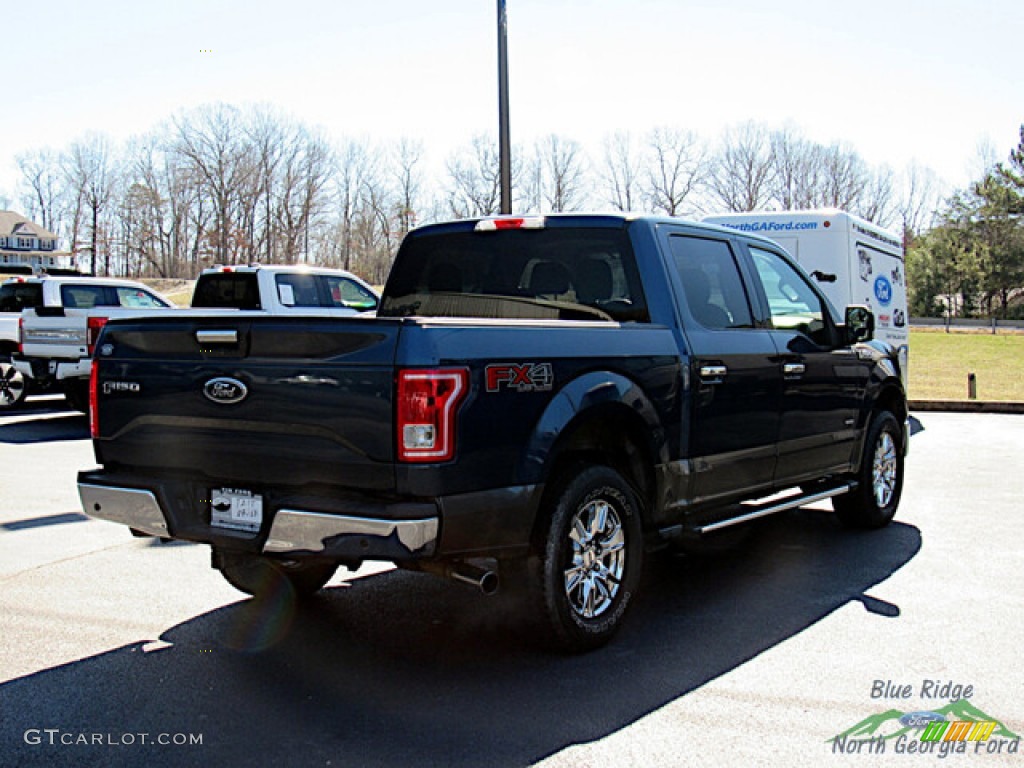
225,391
921,719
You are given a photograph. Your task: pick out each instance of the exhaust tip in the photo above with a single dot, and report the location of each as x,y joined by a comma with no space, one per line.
484,580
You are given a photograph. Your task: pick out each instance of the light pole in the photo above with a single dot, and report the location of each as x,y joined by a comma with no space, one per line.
504,143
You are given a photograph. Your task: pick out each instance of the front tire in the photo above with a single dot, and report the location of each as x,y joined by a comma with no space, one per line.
258,575
872,504
592,556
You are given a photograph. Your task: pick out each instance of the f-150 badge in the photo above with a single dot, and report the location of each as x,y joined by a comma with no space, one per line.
522,377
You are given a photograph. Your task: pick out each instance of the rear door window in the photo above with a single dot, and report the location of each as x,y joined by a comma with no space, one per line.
297,290
712,282
86,296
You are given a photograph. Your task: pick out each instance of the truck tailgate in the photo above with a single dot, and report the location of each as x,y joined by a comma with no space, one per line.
287,401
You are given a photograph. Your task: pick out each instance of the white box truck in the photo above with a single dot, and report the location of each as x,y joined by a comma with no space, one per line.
852,260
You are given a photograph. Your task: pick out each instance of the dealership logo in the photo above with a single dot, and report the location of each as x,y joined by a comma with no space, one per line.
225,391
522,377
957,727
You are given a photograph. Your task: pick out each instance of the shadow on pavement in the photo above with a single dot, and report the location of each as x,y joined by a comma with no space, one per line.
43,522
69,425
402,669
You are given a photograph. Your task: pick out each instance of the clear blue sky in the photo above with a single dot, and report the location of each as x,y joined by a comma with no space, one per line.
898,80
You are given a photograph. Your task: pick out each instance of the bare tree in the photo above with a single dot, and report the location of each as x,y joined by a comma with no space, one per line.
677,169
269,140
209,140
406,157
742,174
44,182
473,179
878,202
306,169
844,178
798,167
620,172
920,200
357,171
561,168
90,174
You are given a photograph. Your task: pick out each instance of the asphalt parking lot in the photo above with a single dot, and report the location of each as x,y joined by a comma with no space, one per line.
122,651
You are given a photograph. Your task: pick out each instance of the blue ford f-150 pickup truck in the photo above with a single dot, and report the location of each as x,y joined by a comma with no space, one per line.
539,400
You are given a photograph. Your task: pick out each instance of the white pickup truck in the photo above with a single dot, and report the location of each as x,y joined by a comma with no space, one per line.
16,294
283,290
57,331
57,338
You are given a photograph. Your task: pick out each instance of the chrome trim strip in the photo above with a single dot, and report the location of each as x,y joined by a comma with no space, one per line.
53,336
792,503
129,506
296,529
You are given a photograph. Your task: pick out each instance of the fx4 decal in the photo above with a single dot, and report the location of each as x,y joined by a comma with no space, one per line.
522,377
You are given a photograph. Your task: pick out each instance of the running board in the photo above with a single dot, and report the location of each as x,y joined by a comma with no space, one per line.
776,506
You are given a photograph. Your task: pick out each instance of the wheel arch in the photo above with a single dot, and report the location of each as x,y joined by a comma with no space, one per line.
599,418
889,397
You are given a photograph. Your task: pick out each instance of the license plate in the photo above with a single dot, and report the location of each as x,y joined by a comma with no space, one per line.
235,508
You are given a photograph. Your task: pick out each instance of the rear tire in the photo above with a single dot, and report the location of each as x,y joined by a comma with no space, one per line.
13,386
259,575
76,392
589,569
872,504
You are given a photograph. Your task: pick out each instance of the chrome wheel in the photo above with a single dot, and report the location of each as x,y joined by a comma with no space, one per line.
12,385
872,503
884,470
598,559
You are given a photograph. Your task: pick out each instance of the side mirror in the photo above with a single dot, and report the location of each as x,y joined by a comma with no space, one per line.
860,324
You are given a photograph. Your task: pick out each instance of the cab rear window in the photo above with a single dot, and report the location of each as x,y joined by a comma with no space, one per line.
227,290
577,273
15,297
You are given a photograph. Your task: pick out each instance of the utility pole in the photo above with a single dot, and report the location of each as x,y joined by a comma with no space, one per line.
504,143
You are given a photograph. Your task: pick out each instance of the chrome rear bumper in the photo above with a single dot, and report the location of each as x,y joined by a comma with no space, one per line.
129,506
292,531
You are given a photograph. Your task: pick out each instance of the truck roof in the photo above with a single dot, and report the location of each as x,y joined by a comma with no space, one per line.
289,268
60,279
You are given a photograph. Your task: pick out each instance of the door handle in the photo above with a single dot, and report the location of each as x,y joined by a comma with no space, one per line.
219,336
712,374
793,369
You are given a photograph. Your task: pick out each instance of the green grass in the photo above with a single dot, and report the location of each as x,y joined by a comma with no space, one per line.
940,363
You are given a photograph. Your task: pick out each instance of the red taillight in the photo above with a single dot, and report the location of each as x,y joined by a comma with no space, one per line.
425,411
95,325
94,411
21,335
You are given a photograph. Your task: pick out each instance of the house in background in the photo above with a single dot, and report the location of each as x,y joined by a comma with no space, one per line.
26,247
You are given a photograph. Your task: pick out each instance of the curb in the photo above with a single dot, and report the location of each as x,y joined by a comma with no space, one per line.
968,406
